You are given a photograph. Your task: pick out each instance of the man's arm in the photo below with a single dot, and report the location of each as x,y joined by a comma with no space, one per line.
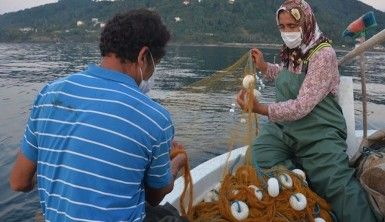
155,196
22,174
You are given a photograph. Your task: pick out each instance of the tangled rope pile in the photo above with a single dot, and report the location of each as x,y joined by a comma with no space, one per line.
276,195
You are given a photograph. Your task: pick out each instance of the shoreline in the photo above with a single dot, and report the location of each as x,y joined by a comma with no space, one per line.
337,48
230,44
260,45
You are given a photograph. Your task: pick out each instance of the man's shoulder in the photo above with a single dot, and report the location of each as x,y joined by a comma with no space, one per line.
77,75
156,110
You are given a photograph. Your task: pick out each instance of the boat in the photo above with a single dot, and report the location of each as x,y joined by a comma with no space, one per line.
208,174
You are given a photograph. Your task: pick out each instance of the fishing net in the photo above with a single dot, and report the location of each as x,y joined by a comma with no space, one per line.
249,193
229,77
242,72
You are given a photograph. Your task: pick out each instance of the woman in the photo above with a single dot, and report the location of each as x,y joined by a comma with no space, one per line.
306,126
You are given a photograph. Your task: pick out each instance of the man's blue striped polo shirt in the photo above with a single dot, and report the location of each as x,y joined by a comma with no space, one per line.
97,139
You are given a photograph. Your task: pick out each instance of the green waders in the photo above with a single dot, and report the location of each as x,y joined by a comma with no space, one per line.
317,144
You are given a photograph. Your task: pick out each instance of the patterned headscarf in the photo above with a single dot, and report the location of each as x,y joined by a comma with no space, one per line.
312,36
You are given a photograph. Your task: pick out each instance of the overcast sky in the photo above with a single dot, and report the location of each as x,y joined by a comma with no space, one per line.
378,4
15,5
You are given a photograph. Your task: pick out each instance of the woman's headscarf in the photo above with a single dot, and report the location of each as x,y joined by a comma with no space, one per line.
312,36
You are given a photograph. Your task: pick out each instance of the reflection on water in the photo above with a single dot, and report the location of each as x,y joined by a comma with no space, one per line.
202,120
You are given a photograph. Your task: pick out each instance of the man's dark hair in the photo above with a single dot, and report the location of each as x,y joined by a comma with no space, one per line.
126,34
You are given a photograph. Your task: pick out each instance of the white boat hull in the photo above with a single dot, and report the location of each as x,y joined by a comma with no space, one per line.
208,174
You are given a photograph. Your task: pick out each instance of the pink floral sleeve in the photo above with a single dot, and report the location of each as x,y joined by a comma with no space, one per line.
272,71
321,79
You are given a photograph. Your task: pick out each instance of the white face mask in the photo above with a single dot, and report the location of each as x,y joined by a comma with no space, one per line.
292,39
146,85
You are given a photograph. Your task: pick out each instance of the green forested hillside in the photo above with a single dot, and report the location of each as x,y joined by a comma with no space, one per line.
204,21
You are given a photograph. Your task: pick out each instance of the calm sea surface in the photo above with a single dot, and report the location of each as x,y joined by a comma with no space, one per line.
202,120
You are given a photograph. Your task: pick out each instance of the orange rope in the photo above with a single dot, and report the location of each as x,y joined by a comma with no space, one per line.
265,210
188,185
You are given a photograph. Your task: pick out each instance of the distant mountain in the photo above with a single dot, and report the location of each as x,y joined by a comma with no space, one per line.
193,21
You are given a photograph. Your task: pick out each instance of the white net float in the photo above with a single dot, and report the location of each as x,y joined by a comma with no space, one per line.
239,210
319,219
286,180
273,187
258,192
248,81
300,173
298,201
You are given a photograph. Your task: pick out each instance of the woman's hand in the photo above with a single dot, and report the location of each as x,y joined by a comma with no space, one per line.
242,100
259,60
256,107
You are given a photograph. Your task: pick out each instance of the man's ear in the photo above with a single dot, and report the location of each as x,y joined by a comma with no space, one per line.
142,56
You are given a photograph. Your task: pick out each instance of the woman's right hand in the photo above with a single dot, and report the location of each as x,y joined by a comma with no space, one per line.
256,106
259,60
242,100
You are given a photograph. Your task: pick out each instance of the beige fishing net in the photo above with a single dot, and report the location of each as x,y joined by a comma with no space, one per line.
228,77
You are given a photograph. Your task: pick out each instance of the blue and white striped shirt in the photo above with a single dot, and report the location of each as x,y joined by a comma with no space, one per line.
97,139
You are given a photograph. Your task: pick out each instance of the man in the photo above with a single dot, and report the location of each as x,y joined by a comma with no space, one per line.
97,145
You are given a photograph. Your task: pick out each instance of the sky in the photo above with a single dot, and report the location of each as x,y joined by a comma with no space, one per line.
15,5
377,4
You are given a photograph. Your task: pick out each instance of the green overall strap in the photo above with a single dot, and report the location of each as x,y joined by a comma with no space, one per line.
311,54
316,49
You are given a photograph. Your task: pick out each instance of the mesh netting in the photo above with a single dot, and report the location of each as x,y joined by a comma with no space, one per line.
227,77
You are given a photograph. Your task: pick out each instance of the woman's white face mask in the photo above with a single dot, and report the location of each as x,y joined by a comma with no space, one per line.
292,39
146,85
